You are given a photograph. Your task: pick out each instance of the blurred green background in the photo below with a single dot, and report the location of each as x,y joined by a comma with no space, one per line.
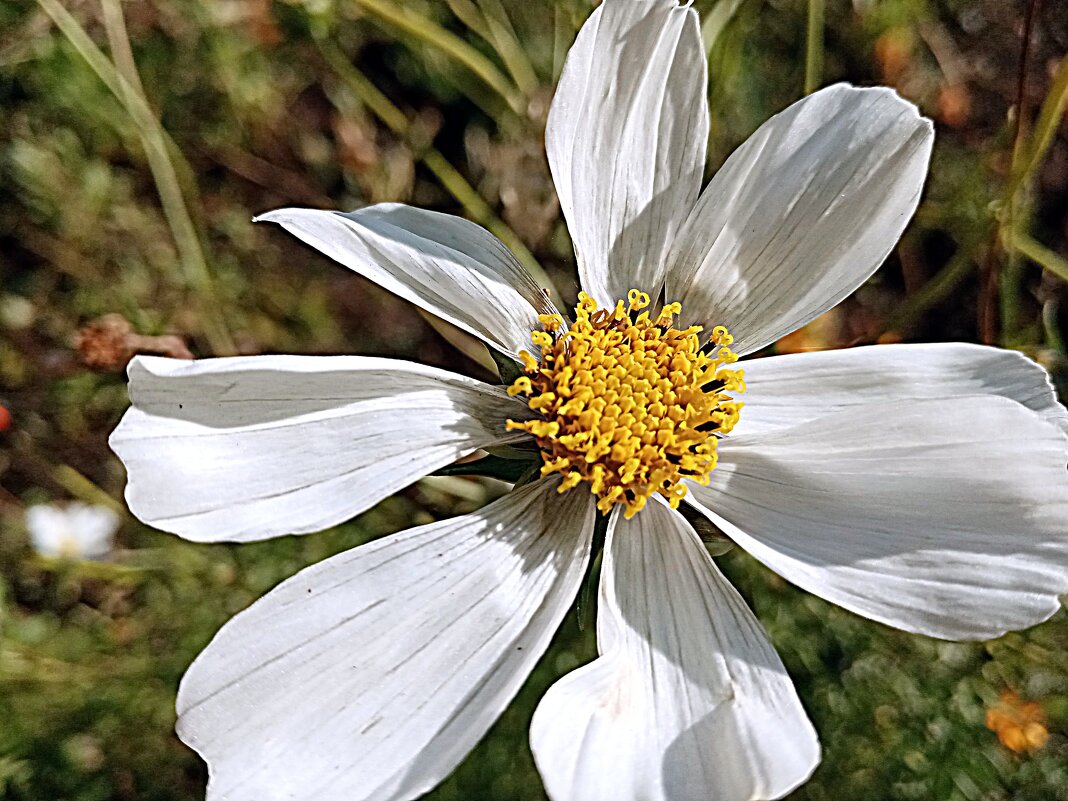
137,139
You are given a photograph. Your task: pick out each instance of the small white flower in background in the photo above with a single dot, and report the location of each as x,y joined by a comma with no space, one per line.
74,531
922,486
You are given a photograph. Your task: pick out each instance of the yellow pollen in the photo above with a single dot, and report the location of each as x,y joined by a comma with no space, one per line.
628,403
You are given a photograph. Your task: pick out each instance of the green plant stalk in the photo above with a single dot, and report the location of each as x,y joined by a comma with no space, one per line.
1010,277
505,42
1046,126
126,66
1014,237
121,51
449,177
1010,288
1040,254
369,94
81,487
191,256
1014,223
1054,340
936,290
480,211
21,663
562,36
418,26
1049,119
716,21
814,46
468,13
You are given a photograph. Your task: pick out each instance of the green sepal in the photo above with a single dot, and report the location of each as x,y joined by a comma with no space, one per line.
507,367
584,606
526,451
530,475
716,542
511,469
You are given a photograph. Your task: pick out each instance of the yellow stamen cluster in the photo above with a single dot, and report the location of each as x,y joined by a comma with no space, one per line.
627,402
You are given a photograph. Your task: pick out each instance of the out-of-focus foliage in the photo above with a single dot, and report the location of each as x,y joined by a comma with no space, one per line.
137,141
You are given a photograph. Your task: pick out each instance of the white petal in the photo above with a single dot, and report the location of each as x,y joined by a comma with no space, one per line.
369,676
444,264
94,527
626,140
252,447
688,700
47,527
801,214
943,517
787,390
74,531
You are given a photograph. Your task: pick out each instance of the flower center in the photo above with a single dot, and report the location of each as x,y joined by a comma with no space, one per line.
628,403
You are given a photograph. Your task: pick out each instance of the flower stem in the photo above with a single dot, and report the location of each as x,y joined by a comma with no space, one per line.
1040,254
1049,118
814,46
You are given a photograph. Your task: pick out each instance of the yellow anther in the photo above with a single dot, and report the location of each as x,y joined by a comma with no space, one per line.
530,364
671,310
720,336
572,479
733,380
521,385
636,300
678,492
543,428
626,403
551,322
554,466
540,403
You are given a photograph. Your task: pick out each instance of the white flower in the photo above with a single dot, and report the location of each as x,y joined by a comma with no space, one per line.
74,531
919,485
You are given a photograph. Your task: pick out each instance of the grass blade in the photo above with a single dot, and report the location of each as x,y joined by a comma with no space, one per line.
418,26
190,254
466,195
